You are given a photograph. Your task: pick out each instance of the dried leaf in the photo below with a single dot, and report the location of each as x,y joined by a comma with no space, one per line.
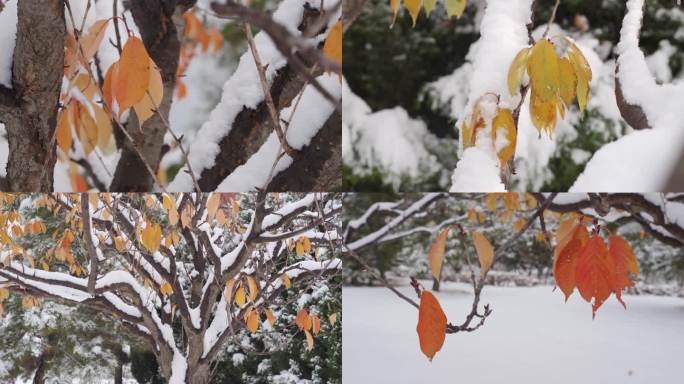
253,290
309,341
503,124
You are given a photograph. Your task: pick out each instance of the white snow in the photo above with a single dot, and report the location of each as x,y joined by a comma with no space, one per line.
8,36
477,171
532,336
242,90
308,119
388,140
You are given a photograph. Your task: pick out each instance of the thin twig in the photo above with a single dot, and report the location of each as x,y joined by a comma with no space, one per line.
551,19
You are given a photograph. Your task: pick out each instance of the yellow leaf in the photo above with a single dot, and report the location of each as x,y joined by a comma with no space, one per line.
270,317
472,215
482,217
519,224
240,297
485,252
235,206
169,203
134,74
429,5
542,67
63,134
455,7
568,81
186,216
309,341
307,244
332,48
253,320
504,122
119,244
582,71
490,200
436,255
394,6
517,71
166,289
213,205
4,294
151,237
543,114
332,318
146,107
413,7
300,249
530,201
286,281
253,290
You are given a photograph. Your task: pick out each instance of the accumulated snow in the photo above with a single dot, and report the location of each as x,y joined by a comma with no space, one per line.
388,140
242,90
532,336
308,119
477,171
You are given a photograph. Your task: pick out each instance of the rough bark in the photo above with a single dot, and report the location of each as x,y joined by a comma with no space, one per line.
319,166
29,110
159,34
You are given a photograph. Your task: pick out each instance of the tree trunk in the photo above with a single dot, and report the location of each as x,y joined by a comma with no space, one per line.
29,109
118,370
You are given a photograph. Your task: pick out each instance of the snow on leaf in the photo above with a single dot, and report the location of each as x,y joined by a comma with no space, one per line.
485,251
436,255
504,121
431,326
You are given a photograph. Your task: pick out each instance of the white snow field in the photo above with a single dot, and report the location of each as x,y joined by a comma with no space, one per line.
532,336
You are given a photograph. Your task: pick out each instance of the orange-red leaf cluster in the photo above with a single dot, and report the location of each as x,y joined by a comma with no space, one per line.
583,261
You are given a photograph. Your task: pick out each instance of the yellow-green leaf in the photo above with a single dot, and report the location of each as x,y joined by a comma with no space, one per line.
542,67
517,71
485,252
455,7
413,8
504,121
436,255
429,5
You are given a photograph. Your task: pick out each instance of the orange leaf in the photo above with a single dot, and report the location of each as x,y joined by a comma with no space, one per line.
146,107
253,320
432,324
270,317
316,324
625,263
88,135
134,74
594,272
437,253
213,205
111,78
564,267
333,43
63,134
92,40
302,319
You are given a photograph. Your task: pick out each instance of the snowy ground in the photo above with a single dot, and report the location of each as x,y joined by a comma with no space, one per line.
531,337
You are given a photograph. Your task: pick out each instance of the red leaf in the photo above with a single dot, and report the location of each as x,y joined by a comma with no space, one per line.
625,262
594,272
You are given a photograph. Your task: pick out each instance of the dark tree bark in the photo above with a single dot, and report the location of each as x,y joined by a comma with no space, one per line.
29,109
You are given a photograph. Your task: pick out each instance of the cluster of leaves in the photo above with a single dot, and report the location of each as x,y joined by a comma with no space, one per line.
498,127
558,73
195,34
310,324
453,8
582,261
